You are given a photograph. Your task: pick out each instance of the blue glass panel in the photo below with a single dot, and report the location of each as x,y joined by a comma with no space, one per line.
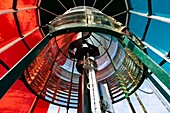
137,24
154,56
161,8
158,35
139,5
166,67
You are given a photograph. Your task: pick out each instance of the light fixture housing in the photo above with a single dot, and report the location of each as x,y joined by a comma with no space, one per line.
53,76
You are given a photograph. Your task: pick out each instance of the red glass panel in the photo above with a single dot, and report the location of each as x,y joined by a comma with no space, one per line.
17,100
41,107
8,29
33,39
27,20
2,70
6,4
12,55
26,3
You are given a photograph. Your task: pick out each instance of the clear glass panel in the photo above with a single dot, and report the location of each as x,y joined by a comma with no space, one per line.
136,104
122,107
137,24
53,108
72,110
150,100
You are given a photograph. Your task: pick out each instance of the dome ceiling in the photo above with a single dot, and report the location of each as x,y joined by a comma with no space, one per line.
49,9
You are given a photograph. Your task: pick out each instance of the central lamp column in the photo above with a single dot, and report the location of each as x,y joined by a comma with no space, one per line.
90,67
88,100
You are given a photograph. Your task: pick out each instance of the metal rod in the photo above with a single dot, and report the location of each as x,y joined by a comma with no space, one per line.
74,3
130,104
156,51
6,11
127,19
8,79
119,13
48,11
127,5
163,19
94,3
140,102
62,5
107,5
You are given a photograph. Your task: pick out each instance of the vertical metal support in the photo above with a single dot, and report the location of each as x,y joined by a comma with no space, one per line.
84,105
140,102
130,104
94,92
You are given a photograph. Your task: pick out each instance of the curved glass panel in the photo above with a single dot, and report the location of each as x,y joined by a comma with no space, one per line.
5,36
161,9
161,42
140,5
137,27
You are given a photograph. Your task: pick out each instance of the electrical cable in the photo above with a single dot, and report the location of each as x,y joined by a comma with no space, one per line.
145,91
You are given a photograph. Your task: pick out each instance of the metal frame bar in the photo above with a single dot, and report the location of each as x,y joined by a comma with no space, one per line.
107,5
94,3
156,51
17,40
146,29
140,102
4,65
14,73
127,5
119,13
74,3
62,5
6,11
48,11
162,19
149,7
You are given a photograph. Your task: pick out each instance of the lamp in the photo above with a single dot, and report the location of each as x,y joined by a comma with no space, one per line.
85,47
